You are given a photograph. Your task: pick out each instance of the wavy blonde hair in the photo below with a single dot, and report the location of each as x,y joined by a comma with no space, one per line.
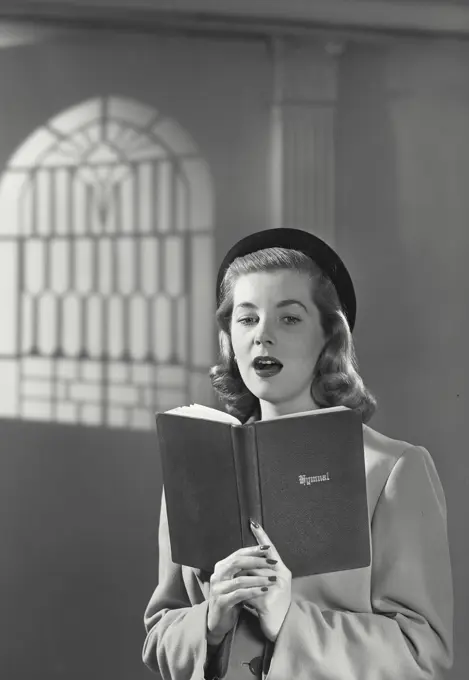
336,381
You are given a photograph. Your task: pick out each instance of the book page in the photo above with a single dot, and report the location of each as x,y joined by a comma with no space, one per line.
205,413
318,411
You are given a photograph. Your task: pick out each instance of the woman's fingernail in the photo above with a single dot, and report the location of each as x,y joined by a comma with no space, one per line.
254,524
264,547
269,561
264,589
272,578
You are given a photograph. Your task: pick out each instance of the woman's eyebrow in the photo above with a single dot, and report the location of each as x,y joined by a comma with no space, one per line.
282,303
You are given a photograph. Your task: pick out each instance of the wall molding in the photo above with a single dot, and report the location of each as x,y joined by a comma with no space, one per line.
429,17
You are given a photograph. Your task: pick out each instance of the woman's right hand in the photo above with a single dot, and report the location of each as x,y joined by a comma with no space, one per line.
228,591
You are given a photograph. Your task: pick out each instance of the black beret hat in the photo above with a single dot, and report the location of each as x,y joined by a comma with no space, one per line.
312,246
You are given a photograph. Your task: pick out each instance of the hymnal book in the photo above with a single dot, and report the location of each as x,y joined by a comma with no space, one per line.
301,476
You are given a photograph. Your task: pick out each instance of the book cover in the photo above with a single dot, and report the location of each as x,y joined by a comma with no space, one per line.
301,476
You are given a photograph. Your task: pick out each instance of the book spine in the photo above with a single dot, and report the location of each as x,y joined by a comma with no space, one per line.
247,479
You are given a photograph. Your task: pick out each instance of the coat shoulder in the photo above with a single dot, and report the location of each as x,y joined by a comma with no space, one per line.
381,455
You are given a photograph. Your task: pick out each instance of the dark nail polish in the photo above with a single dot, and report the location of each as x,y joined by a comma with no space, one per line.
264,547
272,578
269,561
264,589
254,524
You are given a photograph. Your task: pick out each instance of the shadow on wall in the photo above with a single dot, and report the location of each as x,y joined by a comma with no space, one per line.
79,510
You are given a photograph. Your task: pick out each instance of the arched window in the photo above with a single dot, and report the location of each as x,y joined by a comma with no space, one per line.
106,280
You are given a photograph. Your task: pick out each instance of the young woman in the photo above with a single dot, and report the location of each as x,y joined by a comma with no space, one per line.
286,309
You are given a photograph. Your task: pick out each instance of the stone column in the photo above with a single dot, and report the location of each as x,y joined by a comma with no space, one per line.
304,94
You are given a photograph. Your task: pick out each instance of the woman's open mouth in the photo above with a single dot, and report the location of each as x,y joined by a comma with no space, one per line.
266,366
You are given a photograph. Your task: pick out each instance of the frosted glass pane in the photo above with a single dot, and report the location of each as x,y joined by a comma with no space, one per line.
61,390
36,410
36,388
9,391
114,131
34,265
182,204
203,307
170,375
76,116
37,367
147,395
174,265
125,265
162,328
63,156
11,193
182,337
79,203
142,374
66,413
60,265
142,420
62,201
105,265
91,414
149,265
71,325
175,137
119,372
84,265
43,202
164,177
91,370
126,191
33,148
201,390
167,399
94,132
201,193
85,392
26,209
131,111
146,197
26,313
66,368
123,394
102,156
8,296
115,328
138,328
145,149
47,324
117,416
94,318
110,218
81,141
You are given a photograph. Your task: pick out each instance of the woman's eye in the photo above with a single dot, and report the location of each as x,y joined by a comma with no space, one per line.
291,320
246,320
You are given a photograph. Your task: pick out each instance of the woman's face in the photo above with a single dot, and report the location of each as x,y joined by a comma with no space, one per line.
274,316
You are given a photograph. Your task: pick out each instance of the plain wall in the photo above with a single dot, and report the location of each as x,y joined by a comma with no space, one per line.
80,507
403,206
79,510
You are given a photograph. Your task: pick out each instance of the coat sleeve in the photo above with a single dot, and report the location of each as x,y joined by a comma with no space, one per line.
175,646
409,632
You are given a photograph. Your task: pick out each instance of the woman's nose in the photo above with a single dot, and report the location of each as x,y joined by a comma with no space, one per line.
264,335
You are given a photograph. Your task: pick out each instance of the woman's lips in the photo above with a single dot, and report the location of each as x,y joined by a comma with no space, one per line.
268,371
267,367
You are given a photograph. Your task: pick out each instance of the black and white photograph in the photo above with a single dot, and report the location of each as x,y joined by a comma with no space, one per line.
234,283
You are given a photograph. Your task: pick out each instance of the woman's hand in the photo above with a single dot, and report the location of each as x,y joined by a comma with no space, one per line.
272,605
229,588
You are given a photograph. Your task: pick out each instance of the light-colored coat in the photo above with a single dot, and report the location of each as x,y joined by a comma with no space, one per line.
390,621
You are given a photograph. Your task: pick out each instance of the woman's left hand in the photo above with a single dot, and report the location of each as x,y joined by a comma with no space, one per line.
273,606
